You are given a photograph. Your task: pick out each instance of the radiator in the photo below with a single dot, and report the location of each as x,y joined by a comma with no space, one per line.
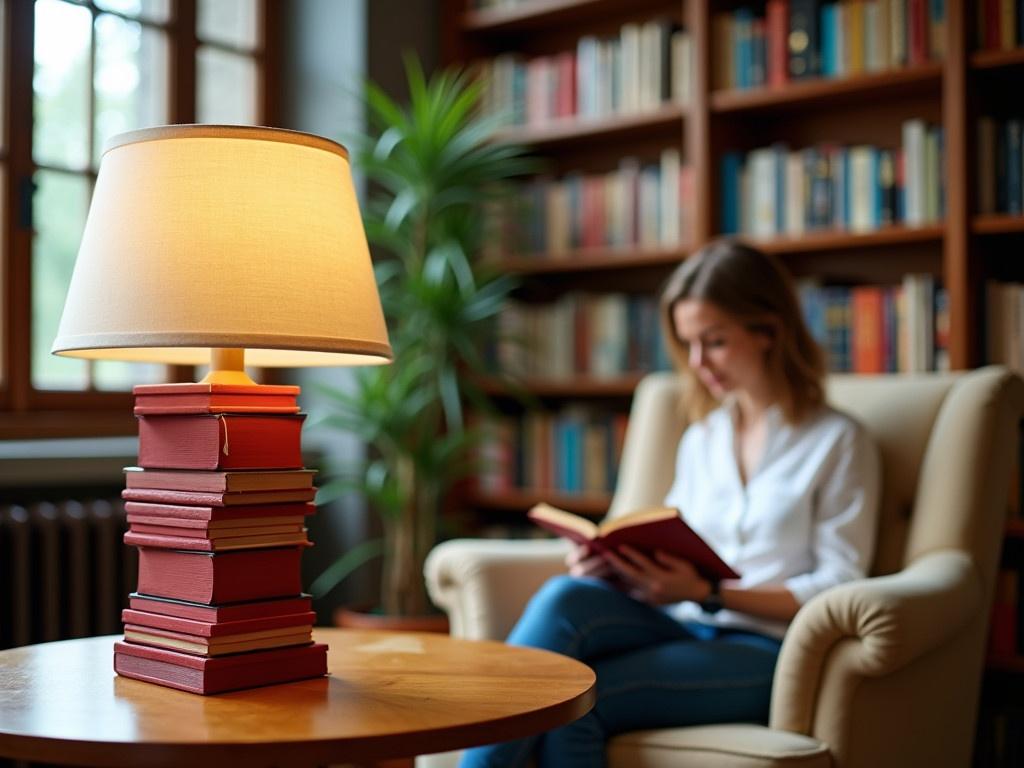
64,570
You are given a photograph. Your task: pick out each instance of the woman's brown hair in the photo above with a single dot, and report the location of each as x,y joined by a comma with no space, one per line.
754,288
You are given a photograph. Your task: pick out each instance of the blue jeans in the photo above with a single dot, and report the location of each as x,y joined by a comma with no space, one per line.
652,672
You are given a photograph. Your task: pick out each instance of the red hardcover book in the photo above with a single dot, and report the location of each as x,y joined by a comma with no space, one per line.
210,516
216,629
218,646
777,23
218,481
169,526
201,577
215,398
220,614
203,675
202,500
221,441
135,538
868,319
656,529
917,31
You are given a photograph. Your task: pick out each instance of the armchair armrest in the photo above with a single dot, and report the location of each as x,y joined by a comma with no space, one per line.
484,584
871,628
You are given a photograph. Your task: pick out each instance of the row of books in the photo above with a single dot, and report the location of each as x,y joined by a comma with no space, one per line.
1004,323
795,39
645,66
776,191
603,336
1000,24
572,451
880,329
217,510
637,205
1000,165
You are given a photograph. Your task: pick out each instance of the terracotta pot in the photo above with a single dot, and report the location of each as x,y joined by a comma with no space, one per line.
353,618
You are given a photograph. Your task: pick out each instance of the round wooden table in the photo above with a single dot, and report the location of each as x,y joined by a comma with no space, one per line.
387,695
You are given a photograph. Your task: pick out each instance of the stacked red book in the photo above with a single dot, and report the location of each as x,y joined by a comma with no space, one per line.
217,509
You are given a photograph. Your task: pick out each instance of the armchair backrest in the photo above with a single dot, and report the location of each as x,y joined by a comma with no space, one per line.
937,435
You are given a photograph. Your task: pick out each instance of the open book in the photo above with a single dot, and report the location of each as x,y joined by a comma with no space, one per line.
648,530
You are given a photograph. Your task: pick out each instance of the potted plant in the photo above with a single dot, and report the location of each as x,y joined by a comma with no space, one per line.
432,169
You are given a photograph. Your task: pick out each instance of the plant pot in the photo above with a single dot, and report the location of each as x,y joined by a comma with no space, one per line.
357,618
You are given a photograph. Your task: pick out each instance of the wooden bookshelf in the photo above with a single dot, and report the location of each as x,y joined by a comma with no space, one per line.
583,387
981,60
821,92
812,242
544,14
592,505
585,260
997,224
617,128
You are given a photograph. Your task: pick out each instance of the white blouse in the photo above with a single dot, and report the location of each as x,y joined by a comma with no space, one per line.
805,519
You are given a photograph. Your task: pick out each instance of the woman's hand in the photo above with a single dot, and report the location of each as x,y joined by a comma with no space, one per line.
581,562
659,580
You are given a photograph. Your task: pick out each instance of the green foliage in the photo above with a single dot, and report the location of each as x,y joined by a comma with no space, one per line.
433,170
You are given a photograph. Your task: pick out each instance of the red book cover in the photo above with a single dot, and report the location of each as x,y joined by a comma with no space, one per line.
201,577
656,529
202,500
221,614
917,31
777,22
221,441
217,646
218,481
198,674
135,538
169,526
566,63
216,629
215,398
205,515
868,319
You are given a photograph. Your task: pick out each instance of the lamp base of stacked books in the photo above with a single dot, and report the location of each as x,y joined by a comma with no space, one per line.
217,508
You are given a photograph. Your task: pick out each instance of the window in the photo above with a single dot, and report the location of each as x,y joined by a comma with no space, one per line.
77,73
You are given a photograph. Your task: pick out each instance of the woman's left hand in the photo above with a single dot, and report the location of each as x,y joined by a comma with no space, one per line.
659,580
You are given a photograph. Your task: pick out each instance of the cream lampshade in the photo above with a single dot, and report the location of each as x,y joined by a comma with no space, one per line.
206,238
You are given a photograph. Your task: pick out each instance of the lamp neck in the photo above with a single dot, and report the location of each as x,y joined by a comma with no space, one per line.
227,366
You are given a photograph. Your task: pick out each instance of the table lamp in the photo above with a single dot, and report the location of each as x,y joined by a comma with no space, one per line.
230,245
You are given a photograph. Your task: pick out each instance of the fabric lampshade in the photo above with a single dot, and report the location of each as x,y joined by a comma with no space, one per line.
204,236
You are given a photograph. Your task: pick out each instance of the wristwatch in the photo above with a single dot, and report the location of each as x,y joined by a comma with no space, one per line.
713,602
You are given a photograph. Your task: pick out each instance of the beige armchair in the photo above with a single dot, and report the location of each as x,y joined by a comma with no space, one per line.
880,672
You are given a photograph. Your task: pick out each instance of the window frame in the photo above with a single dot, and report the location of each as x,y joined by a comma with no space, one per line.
26,412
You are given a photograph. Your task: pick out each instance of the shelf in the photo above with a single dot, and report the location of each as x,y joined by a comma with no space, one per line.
820,91
576,387
997,223
997,59
585,260
572,129
593,505
1005,664
544,13
809,242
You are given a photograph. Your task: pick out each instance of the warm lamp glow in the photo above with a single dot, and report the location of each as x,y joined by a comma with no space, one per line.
232,237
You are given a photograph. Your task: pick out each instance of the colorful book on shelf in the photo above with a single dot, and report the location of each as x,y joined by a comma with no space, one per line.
225,577
218,481
218,543
222,614
199,645
214,398
221,441
661,529
204,499
206,675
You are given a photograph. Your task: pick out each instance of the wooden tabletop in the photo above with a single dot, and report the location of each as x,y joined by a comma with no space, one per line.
387,695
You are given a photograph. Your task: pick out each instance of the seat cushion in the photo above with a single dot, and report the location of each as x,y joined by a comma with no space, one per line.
717,746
